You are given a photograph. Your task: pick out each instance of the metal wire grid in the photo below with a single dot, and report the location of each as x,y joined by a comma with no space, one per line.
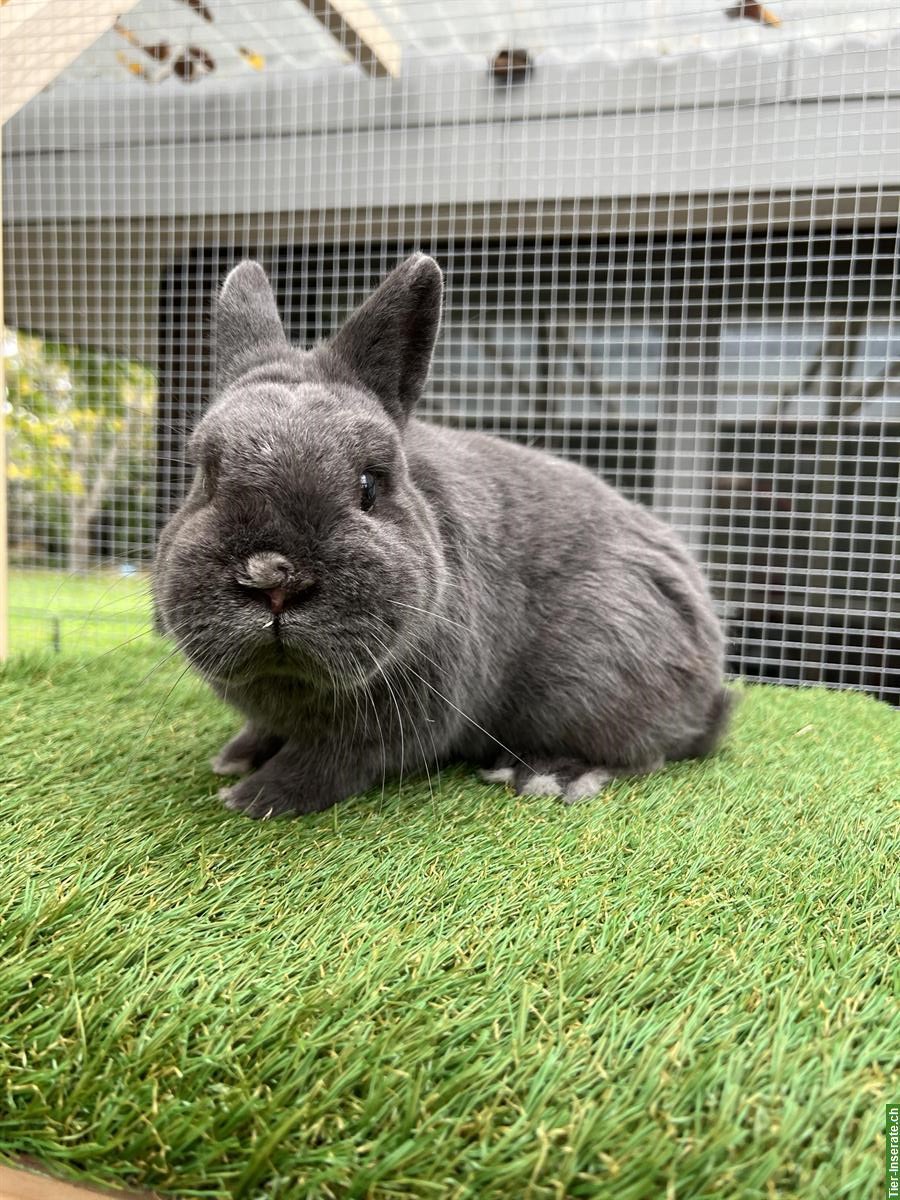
677,266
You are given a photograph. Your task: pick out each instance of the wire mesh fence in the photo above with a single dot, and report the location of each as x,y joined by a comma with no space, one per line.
670,239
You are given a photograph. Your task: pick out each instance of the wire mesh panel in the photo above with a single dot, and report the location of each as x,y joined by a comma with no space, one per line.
670,240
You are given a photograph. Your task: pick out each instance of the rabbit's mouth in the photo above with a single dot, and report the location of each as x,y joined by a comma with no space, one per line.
284,656
337,657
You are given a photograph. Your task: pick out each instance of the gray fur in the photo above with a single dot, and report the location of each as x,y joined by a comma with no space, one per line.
494,605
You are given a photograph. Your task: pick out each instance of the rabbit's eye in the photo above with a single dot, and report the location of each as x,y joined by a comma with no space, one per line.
367,489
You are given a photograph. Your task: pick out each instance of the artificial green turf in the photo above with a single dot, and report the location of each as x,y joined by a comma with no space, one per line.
686,988
68,612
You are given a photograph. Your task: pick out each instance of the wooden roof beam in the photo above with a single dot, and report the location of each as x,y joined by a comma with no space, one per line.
357,29
39,38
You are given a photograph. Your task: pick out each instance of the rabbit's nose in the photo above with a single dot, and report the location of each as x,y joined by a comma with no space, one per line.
280,597
265,571
275,581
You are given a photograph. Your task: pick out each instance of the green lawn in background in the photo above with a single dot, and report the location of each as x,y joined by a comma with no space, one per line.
83,614
685,988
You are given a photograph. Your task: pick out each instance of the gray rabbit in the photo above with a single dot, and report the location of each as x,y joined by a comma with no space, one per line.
379,596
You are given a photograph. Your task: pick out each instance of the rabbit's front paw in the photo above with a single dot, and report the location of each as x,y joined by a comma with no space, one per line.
260,799
223,765
282,787
247,750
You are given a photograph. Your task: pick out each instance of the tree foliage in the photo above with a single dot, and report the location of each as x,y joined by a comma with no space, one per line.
80,452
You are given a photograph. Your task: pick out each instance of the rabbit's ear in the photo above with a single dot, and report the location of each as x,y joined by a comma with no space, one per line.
387,343
248,327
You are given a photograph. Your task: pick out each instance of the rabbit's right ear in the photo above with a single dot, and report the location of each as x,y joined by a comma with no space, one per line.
248,327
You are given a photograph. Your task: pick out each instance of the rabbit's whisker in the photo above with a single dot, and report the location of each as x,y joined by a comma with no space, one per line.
428,613
380,670
416,693
156,715
457,709
368,694
95,658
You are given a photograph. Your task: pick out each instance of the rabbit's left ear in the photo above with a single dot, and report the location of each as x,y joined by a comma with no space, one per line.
248,327
388,342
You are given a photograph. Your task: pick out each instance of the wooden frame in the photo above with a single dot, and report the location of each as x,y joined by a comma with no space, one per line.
358,31
39,38
30,1185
